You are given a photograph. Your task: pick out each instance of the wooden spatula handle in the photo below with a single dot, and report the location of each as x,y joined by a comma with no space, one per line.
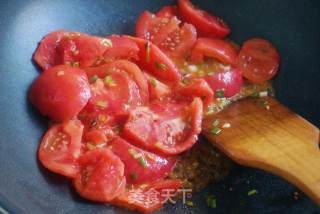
273,139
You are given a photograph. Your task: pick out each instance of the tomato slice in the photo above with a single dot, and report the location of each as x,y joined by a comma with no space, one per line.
46,55
168,12
154,61
82,50
196,88
206,24
165,128
60,92
155,29
126,66
101,176
60,148
258,60
215,48
165,32
139,198
112,96
122,48
229,81
141,166
179,43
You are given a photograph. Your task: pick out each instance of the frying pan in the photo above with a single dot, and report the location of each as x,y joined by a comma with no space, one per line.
26,187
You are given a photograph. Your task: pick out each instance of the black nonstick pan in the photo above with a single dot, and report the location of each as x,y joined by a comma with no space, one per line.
25,187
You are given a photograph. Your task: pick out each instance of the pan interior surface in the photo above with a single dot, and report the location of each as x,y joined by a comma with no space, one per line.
26,187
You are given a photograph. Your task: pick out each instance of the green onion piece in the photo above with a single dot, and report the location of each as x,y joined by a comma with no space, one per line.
94,79
252,192
211,201
109,81
189,203
219,93
142,162
160,66
91,146
133,176
106,42
148,50
215,130
153,82
255,94
216,122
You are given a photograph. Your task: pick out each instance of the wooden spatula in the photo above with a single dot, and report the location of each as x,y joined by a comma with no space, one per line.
269,137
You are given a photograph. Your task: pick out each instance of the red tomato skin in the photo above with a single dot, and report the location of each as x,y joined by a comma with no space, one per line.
151,58
82,48
230,82
46,55
168,12
215,48
54,155
60,92
158,167
258,60
206,24
101,176
141,205
122,48
196,88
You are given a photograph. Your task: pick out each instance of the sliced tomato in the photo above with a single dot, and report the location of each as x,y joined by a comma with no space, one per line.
179,43
124,66
157,89
165,128
229,81
101,177
46,55
196,88
154,61
215,48
139,198
258,60
165,32
122,48
141,166
168,11
155,29
206,24
60,148
60,92
82,50
112,97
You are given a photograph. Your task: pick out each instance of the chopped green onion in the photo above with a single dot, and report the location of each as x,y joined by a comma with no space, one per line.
133,176
211,201
142,162
219,93
109,81
134,153
255,94
76,64
153,82
106,42
216,122
252,192
263,93
160,66
102,104
215,130
148,49
94,79
189,203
